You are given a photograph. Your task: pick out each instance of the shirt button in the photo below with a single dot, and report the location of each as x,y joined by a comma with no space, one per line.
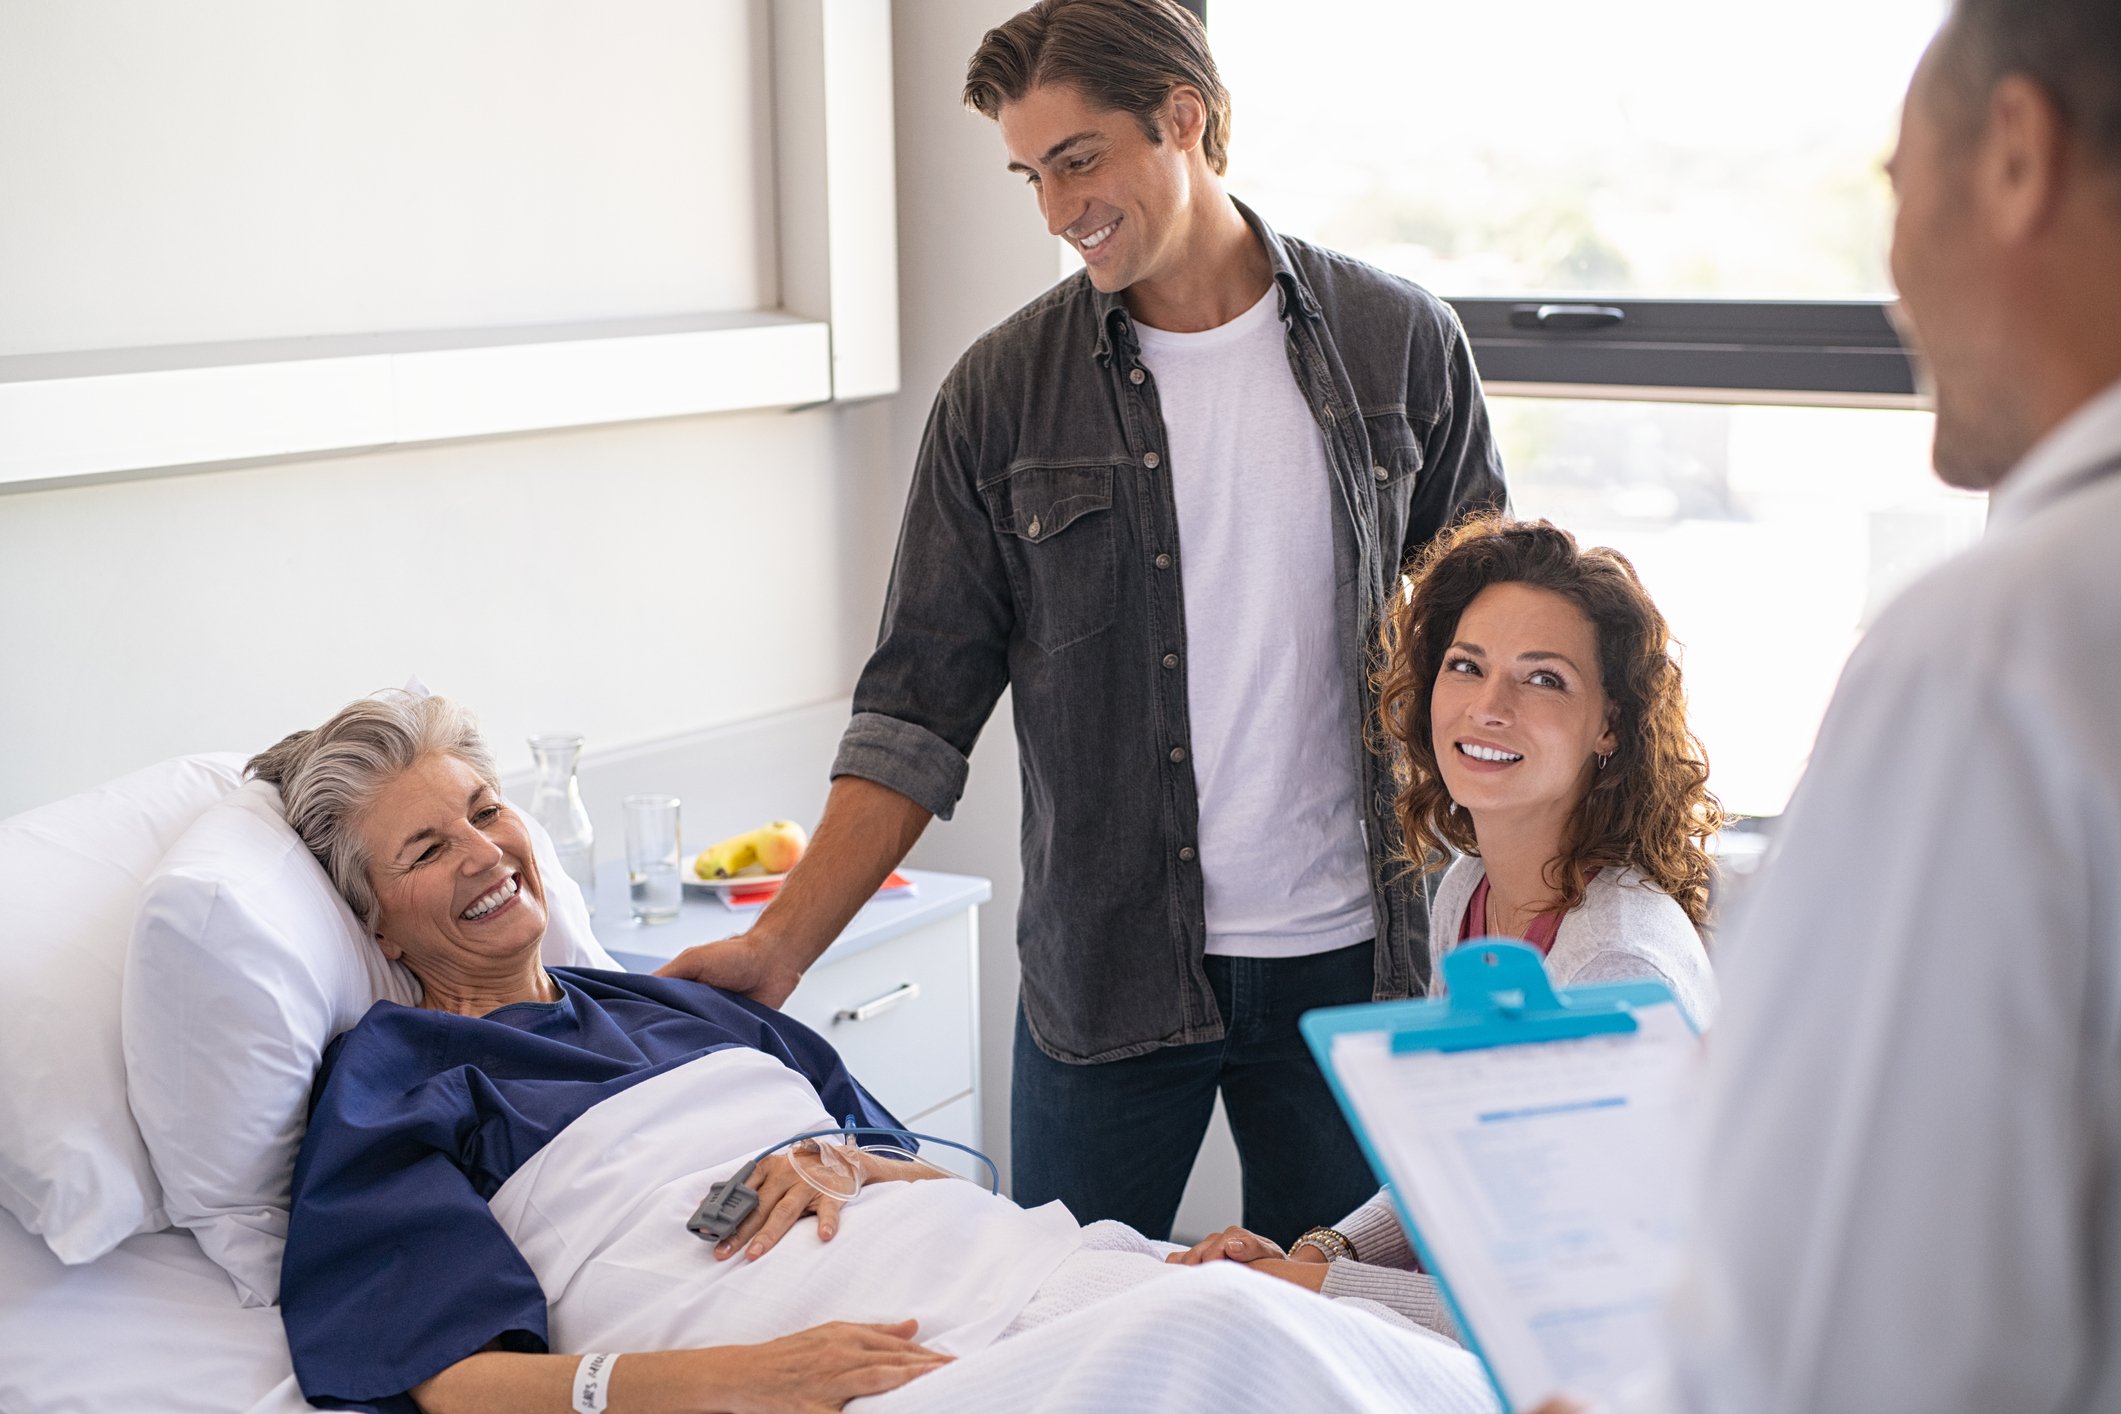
1380,473
1178,754
1135,376
1186,853
1032,529
1163,562
1151,460
1170,660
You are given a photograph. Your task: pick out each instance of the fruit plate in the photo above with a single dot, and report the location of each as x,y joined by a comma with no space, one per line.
740,881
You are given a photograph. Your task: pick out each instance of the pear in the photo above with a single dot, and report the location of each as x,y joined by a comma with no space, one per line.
772,848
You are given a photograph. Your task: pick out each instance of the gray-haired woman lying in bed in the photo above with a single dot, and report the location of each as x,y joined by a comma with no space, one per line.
491,1201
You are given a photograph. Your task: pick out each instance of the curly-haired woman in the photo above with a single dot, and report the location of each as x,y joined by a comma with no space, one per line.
1537,718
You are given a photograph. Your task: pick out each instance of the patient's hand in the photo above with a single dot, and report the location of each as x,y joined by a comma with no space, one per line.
1232,1244
746,963
815,1371
784,1198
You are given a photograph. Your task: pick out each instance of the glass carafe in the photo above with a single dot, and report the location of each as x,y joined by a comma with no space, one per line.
557,805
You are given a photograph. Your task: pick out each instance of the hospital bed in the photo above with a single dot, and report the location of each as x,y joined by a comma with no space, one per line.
153,1323
149,1317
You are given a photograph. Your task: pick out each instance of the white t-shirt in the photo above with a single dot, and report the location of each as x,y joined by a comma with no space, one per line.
1275,740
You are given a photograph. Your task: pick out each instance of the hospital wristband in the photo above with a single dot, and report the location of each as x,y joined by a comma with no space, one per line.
592,1383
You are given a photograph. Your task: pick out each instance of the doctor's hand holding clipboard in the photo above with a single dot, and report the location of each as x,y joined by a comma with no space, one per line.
1535,1145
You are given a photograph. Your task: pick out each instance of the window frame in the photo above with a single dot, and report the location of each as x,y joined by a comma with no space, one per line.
1825,353
1795,352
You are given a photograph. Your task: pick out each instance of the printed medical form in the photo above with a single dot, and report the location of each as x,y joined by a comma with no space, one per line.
1545,1183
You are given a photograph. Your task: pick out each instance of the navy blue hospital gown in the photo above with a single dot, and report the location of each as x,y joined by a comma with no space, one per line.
395,1267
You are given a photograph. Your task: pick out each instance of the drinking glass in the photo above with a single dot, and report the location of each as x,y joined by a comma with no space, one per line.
652,857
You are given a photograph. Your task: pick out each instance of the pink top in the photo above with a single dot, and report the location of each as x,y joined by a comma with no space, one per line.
1540,934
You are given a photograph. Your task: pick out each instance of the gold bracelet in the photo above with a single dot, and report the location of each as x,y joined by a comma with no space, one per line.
1328,1243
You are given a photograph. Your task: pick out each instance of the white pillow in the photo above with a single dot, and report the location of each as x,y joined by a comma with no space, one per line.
72,1165
245,963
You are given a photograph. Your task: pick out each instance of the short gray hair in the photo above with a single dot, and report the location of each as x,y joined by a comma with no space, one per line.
330,776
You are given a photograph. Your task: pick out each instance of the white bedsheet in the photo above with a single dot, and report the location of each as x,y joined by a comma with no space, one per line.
600,1211
1216,1339
153,1325
1044,1315
1073,1321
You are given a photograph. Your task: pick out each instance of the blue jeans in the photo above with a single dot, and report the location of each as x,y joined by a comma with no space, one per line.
1118,1139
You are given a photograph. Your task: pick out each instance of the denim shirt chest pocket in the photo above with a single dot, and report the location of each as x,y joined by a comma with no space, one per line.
1394,472
1055,525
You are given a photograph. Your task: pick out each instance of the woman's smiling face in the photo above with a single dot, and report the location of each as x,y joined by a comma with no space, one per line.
1517,713
456,882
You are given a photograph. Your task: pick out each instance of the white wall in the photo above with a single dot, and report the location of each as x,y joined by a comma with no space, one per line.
238,168
233,169
626,582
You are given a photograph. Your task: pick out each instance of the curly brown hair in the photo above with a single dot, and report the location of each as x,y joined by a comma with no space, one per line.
1652,809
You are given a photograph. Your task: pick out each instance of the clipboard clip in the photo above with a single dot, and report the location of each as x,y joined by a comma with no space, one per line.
1500,995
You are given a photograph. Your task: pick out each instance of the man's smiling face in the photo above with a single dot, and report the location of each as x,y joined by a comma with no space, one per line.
1119,198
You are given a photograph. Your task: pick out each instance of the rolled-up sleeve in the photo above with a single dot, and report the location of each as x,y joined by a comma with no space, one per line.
942,651
905,756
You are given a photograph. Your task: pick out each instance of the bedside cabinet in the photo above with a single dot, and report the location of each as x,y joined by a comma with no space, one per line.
897,993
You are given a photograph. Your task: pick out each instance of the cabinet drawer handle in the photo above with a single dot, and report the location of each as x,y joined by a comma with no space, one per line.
905,992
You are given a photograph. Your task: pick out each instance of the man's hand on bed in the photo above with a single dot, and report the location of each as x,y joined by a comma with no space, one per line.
747,963
785,1199
816,1371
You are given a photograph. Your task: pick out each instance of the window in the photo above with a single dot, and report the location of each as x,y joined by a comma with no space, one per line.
1769,536
1665,226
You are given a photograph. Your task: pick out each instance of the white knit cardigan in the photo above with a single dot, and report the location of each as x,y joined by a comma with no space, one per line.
1625,930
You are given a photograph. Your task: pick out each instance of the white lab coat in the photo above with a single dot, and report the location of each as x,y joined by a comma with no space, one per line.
1911,1187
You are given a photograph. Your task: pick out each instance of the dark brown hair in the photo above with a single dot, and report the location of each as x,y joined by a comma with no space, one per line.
1125,55
1650,809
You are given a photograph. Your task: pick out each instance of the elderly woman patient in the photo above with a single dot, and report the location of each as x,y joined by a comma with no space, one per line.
504,1173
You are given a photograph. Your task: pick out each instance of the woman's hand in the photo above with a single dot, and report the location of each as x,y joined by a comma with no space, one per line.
1232,1244
784,1197
812,1372
1236,1244
1311,1276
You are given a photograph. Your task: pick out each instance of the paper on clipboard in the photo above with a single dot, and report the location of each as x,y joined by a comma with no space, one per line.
1546,1182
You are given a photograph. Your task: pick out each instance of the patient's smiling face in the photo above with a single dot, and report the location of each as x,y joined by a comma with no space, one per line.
458,896
1517,711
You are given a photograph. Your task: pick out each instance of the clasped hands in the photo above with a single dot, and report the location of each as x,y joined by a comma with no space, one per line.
785,1197
1306,1267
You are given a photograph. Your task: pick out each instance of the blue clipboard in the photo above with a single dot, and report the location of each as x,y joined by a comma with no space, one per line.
1497,993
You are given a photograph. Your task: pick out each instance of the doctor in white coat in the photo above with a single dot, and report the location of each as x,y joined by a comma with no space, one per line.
1911,1196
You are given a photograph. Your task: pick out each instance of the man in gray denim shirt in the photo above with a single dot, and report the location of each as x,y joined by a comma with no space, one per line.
1041,551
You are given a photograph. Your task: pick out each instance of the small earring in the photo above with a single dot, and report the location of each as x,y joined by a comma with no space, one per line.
1603,757
1452,809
